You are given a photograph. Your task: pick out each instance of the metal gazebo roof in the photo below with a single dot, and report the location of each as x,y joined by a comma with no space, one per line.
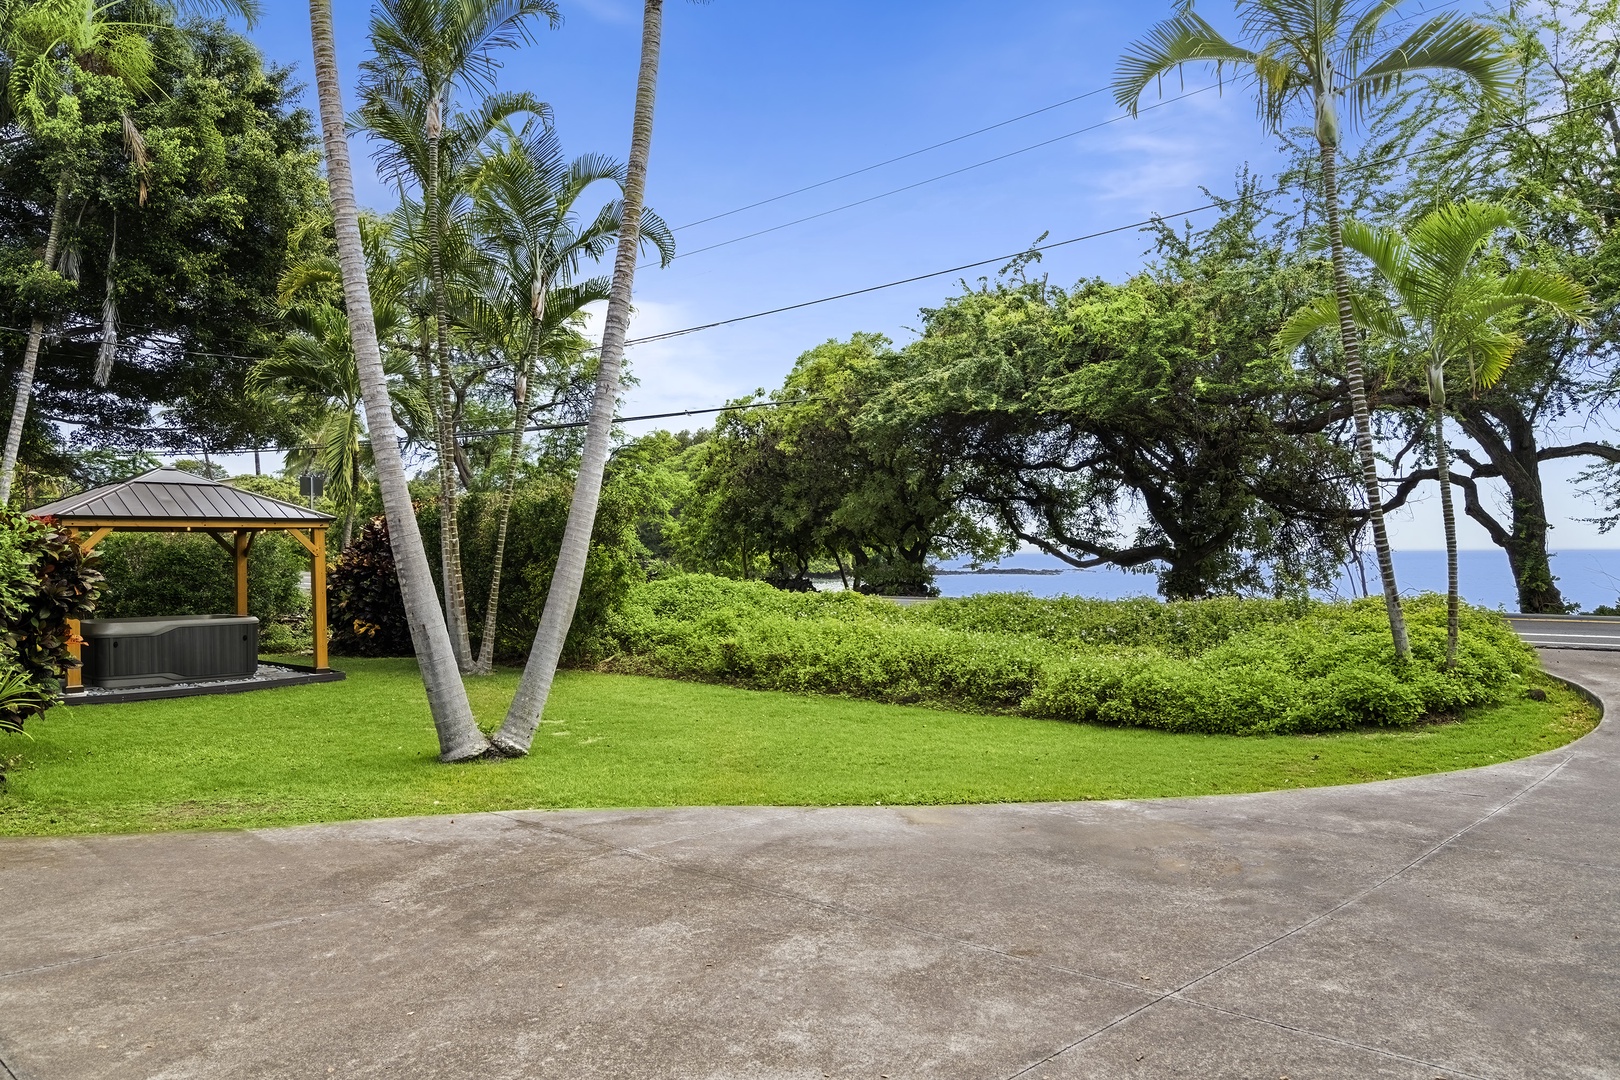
173,499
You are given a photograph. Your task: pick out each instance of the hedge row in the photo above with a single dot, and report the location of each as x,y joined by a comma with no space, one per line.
1231,666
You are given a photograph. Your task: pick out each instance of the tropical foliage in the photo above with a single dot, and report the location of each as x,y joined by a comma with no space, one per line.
46,582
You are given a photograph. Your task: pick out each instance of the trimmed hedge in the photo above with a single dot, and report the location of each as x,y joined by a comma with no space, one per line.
1232,666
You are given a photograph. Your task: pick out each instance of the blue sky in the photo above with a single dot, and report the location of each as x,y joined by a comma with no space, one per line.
758,98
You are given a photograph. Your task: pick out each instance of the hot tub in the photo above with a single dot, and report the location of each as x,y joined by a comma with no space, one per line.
167,649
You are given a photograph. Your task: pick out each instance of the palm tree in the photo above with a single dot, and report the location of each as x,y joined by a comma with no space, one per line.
425,50
517,731
459,737
526,193
1452,310
50,46
1325,53
314,367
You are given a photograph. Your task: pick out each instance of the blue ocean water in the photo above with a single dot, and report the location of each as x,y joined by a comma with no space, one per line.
1589,578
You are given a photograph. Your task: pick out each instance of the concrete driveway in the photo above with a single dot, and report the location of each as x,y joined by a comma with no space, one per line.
1465,925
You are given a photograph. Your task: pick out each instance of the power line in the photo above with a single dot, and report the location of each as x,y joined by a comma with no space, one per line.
1385,35
889,161
1047,247
980,262
934,179
460,437
1088,236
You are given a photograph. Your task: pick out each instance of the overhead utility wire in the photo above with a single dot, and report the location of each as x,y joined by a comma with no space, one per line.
1218,84
1384,36
1088,236
460,437
935,179
889,161
995,259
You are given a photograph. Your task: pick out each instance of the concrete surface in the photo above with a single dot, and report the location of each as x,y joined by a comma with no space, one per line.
1462,925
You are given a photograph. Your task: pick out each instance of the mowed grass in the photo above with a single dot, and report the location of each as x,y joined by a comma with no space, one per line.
365,748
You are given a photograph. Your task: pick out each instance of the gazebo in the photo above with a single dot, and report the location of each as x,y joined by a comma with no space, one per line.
170,500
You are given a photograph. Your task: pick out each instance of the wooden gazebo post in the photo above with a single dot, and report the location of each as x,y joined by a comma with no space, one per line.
75,674
316,543
244,544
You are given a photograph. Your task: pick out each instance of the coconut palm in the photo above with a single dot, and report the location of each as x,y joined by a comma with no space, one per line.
426,51
459,737
1453,310
50,46
517,731
1327,55
526,193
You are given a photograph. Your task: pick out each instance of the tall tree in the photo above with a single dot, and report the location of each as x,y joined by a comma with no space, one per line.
233,189
517,731
1327,55
1556,164
459,737
51,47
526,194
1148,424
1453,309
427,50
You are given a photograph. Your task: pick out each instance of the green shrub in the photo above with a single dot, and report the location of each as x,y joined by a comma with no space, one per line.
46,581
190,574
617,560
365,610
1229,666
1180,627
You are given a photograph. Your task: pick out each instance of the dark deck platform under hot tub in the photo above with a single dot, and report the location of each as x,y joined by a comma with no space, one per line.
269,677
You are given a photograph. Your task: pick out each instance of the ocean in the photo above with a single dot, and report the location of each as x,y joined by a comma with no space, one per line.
1589,578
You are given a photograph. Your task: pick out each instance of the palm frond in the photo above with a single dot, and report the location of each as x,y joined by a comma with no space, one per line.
1319,313
1450,42
1185,38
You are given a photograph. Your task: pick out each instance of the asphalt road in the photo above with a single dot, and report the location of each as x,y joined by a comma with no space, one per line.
1568,631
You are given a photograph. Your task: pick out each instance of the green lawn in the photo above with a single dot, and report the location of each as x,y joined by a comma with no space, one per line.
365,748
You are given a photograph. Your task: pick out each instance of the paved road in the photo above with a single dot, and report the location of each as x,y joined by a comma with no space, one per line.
1455,926
1568,631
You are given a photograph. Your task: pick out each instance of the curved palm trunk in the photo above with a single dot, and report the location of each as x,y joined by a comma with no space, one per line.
517,732
36,334
455,592
1358,404
1448,513
486,643
459,737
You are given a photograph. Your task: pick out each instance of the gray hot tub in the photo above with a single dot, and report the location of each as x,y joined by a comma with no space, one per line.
167,649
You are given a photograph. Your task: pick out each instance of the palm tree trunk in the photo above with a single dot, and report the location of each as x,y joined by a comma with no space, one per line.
517,732
1448,513
486,643
1360,407
36,334
459,737
455,592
